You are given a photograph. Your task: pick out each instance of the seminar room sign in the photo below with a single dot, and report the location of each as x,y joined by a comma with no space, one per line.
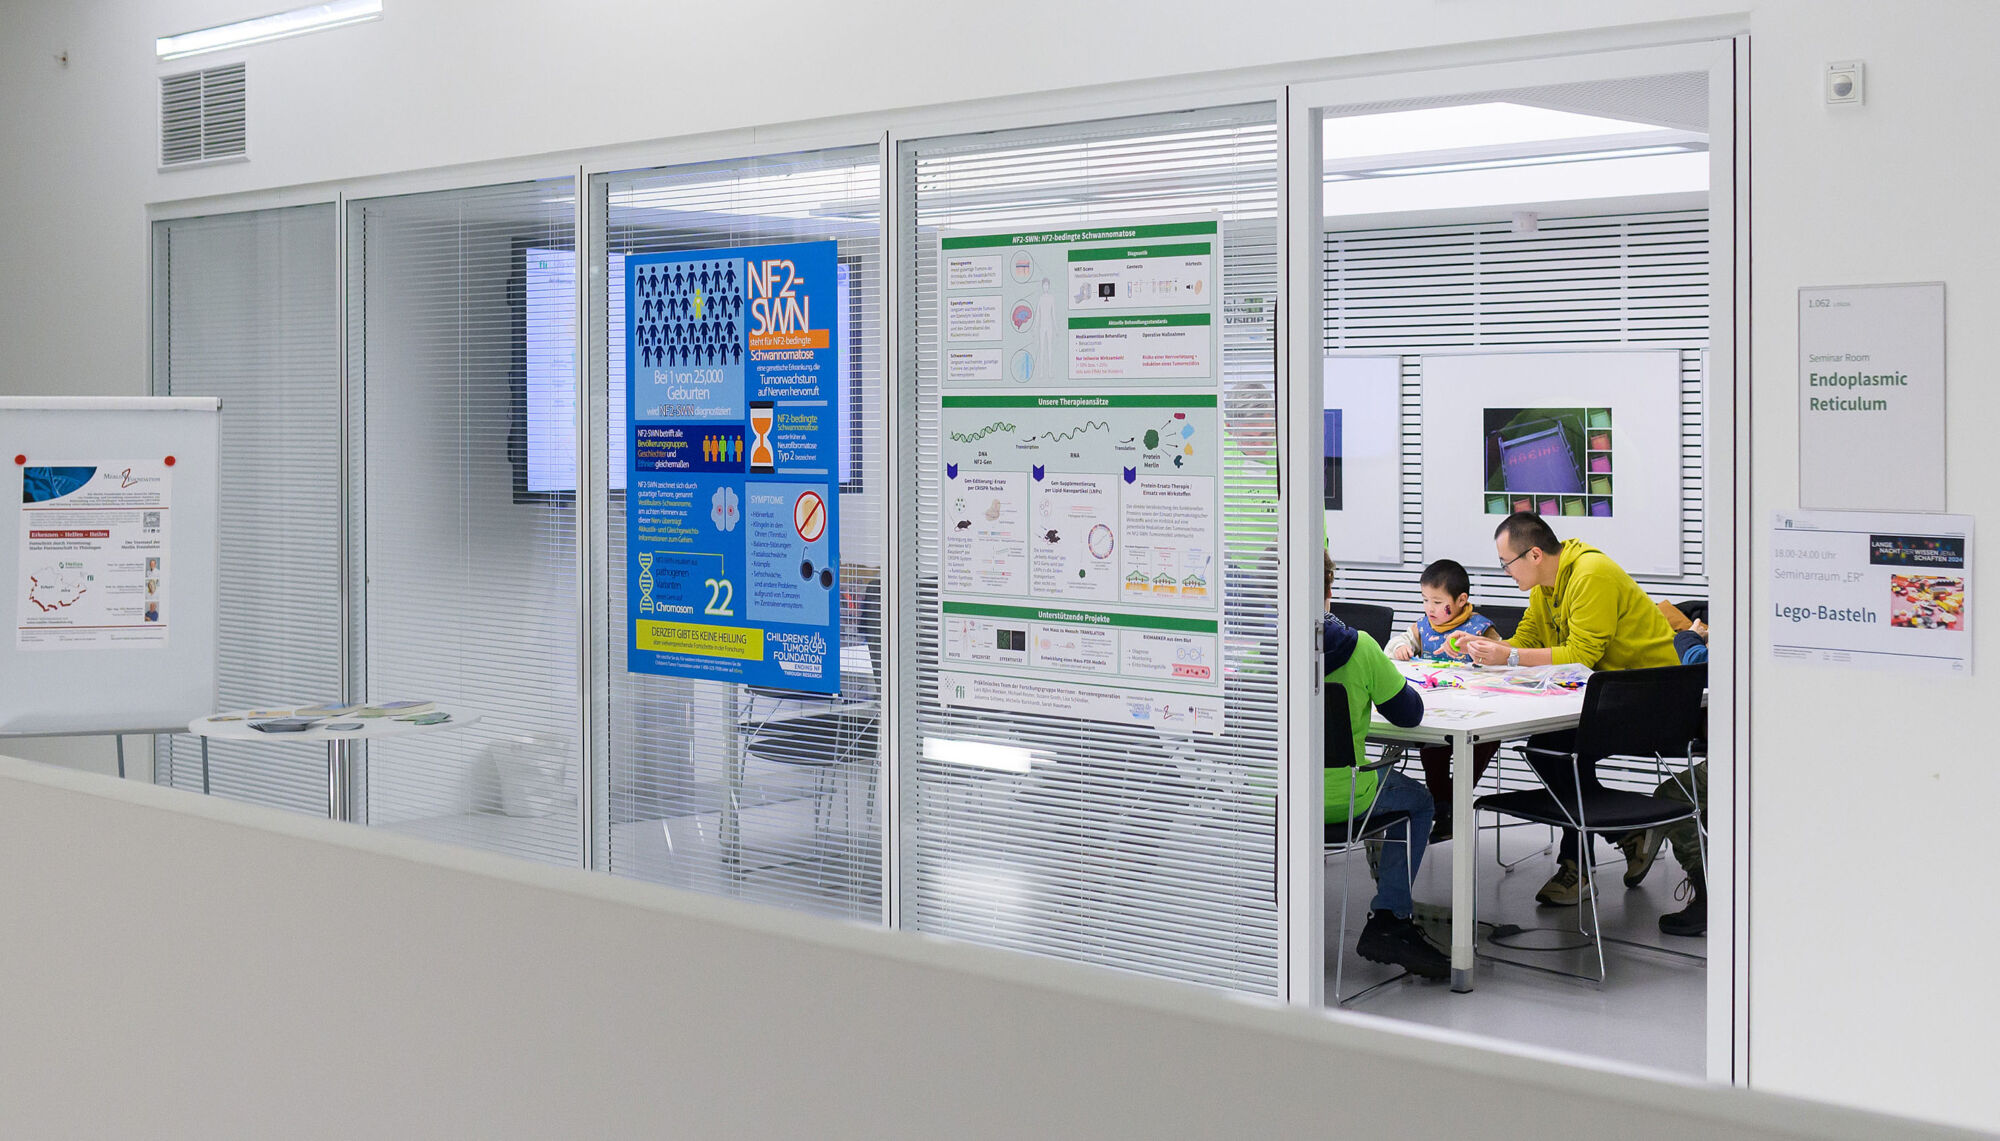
1871,397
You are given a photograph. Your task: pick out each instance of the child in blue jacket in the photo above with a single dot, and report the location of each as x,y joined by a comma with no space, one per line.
1448,611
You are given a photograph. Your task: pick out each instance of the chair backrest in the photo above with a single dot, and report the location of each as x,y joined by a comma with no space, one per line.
1642,713
1339,726
1505,619
1378,621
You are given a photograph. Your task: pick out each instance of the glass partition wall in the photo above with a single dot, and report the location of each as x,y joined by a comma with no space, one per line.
762,793
244,308
461,327
1135,825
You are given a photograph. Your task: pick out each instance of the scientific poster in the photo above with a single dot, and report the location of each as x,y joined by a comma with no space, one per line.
733,483
1876,589
93,571
1080,439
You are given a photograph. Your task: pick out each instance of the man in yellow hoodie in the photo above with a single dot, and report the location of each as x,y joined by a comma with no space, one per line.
1583,609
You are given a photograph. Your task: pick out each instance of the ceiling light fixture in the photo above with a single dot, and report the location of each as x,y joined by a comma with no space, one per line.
298,21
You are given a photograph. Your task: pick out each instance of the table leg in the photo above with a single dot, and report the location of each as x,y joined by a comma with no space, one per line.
204,765
1463,853
337,806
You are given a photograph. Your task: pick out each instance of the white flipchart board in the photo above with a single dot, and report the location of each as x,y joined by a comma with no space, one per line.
108,547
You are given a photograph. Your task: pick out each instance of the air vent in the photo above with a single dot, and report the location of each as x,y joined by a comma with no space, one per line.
202,116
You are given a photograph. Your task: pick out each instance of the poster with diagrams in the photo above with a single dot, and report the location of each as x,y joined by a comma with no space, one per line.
93,570
1080,521
732,495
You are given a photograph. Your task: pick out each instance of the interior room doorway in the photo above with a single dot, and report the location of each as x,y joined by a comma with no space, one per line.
1514,289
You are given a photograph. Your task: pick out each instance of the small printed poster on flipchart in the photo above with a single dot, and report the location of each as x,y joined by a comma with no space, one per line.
93,570
1875,589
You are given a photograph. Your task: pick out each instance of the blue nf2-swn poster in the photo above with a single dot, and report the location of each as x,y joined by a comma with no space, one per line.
732,504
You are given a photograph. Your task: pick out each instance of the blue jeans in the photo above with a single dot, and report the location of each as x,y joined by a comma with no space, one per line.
1398,793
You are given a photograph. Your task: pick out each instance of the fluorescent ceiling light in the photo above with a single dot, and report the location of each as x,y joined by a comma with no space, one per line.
1682,172
298,21
979,754
1454,128
1528,160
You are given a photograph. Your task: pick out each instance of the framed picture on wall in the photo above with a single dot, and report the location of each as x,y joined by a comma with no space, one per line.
1588,440
1363,458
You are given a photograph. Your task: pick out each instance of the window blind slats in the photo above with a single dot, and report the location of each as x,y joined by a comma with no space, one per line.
1118,847
471,590
245,310
702,790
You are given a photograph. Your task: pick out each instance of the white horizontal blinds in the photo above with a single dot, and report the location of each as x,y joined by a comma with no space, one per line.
1625,280
244,310
462,324
1119,846
707,788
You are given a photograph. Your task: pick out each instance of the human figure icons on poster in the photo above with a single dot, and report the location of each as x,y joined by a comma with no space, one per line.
688,315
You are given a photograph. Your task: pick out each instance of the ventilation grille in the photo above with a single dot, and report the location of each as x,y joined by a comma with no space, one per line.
202,115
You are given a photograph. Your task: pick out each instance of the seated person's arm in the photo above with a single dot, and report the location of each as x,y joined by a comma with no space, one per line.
1405,709
1404,645
1397,701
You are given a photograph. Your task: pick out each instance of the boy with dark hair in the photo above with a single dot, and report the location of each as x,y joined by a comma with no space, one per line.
1358,665
1448,621
1447,593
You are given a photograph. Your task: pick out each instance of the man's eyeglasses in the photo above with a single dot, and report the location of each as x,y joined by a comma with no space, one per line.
1517,558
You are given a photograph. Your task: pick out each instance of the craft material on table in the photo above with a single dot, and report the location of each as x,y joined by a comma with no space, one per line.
1498,679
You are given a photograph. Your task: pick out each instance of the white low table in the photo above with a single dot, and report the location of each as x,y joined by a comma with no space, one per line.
235,725
1463,718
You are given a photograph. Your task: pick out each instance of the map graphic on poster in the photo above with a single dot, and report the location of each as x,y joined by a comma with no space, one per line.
1080,446
732,500
93,570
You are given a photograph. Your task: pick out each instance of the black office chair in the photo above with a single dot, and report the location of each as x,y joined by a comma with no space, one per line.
1346,835
1505,619
1378,621
1626,713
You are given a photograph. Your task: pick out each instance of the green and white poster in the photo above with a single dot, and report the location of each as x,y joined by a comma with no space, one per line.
1080,445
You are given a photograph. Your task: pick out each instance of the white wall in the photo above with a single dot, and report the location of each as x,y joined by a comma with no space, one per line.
389,988
1865,961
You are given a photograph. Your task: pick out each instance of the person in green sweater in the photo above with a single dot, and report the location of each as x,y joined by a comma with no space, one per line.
1583,609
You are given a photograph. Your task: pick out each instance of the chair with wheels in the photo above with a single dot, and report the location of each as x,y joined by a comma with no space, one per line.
1379,622
1343,837
1653,713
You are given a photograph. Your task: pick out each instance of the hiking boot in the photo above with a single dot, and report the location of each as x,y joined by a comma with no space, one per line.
1401,943
1690,920
1641,848
1565,888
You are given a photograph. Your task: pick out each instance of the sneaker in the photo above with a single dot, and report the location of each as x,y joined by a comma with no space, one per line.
1691,920
1401,943
1641,848
1440,828
1565,888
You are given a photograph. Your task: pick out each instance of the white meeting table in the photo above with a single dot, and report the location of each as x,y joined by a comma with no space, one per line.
236,726
1463,718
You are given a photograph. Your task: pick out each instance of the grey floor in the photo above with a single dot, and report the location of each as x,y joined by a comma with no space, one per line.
1649,1012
